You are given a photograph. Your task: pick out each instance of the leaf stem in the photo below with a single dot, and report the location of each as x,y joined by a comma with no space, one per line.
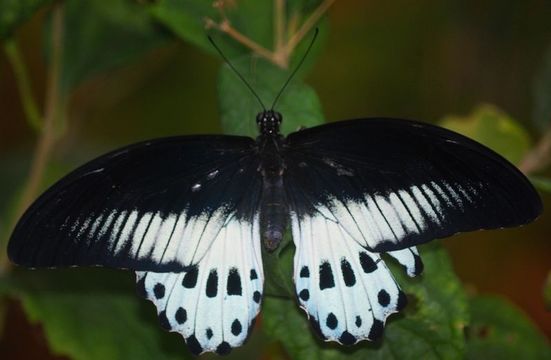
279,24
47,138
23,84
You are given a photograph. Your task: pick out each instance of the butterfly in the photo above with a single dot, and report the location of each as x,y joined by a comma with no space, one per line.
192,214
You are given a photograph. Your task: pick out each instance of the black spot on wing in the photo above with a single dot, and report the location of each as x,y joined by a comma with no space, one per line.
304,295
383,297
165,324
331,321
236,327
368,265
223,349
257,296
193,345
209,333
190,278
347,273
376,330
418,264
358,321
326,276
212,284
304,272
181,315
347,338
234,282
140,288
159,291
402,301
254,275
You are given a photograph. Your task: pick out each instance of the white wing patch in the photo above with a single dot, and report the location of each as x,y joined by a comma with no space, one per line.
377,219
347,291
212,305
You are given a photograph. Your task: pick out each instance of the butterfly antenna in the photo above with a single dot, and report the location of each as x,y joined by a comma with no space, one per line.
236,72
296,69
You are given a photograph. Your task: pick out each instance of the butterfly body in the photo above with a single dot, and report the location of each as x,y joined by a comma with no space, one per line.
190,214
273,204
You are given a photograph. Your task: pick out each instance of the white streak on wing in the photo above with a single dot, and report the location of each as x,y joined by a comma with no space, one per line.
391,216
348,216
177,237
413,208
150,236
139,234
116,227
380,222
433,198
95,225
425,205
126,231
163,237
442,194
403,214
453,194
107,223
84,227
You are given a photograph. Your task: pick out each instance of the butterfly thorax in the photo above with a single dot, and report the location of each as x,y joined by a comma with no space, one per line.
273,204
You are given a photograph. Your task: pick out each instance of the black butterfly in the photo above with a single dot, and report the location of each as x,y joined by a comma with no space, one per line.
190,214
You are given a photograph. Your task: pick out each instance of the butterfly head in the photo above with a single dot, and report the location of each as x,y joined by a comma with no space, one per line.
268,122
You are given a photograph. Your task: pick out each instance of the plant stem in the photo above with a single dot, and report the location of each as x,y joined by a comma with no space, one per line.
539,156
308,25
47,138
279,24
23,84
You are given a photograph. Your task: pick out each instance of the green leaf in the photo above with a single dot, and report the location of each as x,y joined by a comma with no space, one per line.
493,128
498,330
542,93
100,35
430,328
92,314
15,12
541,183
298,104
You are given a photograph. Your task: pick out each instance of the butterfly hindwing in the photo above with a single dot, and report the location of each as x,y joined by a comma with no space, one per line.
156,206
213,305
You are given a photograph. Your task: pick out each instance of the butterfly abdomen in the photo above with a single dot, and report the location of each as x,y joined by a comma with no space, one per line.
273,212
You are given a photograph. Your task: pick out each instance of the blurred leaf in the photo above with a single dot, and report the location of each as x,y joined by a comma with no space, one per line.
100,35
498,330
541,183
298,104
14,12
430,328
493,128
92,314
542,93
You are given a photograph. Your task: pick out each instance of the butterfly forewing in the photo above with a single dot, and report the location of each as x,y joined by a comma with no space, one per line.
155,206
392,184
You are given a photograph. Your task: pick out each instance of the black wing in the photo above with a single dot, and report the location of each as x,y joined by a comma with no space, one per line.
392,184
155,205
